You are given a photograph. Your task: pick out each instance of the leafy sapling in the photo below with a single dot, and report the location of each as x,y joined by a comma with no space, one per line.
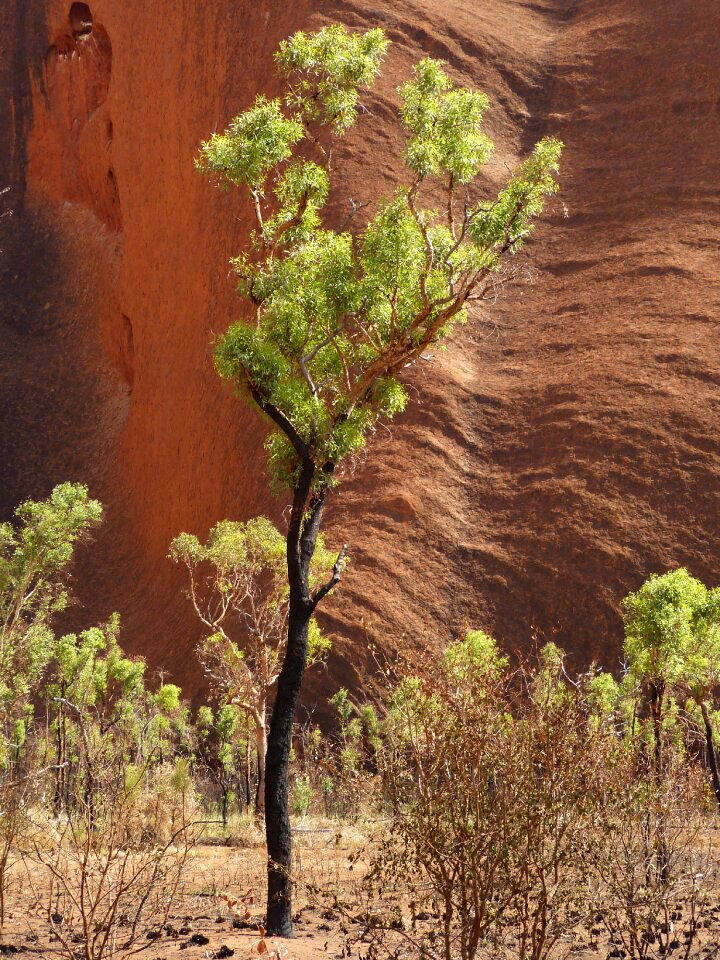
335,315
35,552
238,587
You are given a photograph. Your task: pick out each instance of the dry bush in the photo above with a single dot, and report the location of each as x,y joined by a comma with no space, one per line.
161,799
16,795
657,865
492,833
522,816
102,880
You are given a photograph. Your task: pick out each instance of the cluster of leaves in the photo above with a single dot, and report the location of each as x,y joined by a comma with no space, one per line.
98,706
673,632
34,555
238,586
336,315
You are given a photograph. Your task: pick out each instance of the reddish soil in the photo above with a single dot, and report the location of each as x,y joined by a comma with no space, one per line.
202,927
562,450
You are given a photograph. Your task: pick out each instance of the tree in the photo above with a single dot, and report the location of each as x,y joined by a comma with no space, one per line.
34,556
238,587
663,645
220,748
704,673
334,315
100,711
671,640
495,803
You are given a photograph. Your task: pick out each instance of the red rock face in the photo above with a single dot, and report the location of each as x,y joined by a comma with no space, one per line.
561,450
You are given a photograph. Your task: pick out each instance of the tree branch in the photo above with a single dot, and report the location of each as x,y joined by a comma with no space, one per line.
334,580
279,418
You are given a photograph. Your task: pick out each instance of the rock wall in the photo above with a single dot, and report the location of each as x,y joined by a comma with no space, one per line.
566,448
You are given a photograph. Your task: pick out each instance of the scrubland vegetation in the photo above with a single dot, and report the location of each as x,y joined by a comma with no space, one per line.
498,808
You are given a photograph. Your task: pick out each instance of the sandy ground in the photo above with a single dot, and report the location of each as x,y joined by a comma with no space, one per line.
220,911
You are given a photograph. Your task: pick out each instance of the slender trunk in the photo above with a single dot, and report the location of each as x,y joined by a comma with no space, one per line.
303,529
711,754
277,815
261,743
224,793
248,765
656,699
657,695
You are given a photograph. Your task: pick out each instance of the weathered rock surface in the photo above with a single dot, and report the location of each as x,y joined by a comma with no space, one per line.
564,450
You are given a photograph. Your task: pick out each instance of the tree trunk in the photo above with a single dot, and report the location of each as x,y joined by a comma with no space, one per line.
657,695
711,754
303,529
247,765
277,815
261,743
656,704
224,794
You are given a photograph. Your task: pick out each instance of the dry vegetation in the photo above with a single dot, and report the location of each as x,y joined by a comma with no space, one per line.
484,811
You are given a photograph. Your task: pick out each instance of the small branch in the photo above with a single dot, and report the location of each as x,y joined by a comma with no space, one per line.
334,580
308,358
301,448
258,216
450,214
294,221
354,207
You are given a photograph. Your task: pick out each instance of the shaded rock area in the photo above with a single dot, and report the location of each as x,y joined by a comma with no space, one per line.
561,451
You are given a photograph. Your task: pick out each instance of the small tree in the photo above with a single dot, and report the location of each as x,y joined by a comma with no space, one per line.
335,315
703,672
35,552
495,800
221,749
34,556
238,587
668,642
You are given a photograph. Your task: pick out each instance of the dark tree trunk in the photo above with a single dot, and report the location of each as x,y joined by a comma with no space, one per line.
224,793
309,499
657,696
277,816
302,535
711,754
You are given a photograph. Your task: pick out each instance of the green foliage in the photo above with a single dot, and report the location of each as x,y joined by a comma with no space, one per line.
91,670
477,652
241,557
336,315
253,547
319,643
100,707
444,123
302,794
326,70
604,696
372,727
342,704
34,554
255,142
661,628
238,585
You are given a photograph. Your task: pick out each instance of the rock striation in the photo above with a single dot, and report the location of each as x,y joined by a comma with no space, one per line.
565,449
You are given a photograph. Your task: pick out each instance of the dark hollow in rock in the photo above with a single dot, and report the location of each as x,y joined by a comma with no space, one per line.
81,20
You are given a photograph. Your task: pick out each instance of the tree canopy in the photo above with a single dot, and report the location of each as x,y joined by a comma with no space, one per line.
336,314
